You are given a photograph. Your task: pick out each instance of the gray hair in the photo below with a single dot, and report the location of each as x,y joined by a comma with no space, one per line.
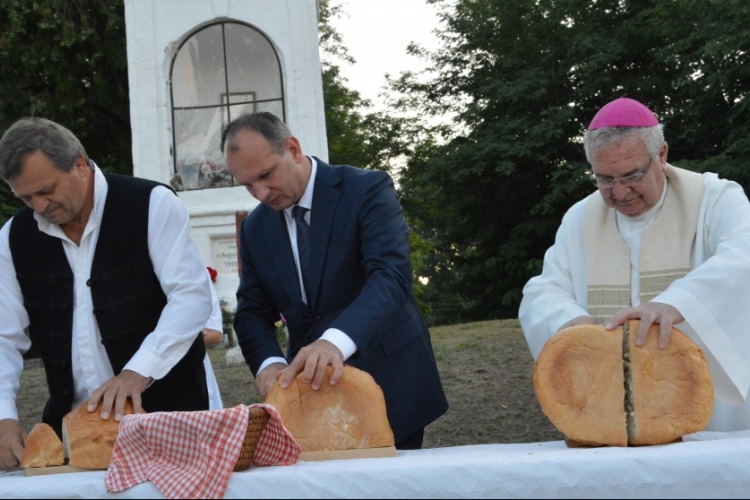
266,124
29,135
602,138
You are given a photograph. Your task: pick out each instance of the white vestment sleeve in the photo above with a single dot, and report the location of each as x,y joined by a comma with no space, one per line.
13,321
714,298
184,281
555,297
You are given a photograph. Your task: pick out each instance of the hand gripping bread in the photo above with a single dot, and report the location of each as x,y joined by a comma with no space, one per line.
88,439
598,388
43,448
349,415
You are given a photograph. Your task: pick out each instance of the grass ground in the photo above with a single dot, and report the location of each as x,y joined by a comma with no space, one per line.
486,369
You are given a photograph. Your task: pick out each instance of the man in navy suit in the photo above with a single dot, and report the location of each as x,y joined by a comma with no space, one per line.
329,249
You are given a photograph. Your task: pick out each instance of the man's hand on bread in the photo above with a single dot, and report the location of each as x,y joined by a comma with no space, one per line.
12,439
115,391
580,320
312,361
265,379
664,315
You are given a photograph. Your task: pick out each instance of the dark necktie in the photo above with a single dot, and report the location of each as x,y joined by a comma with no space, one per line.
303,246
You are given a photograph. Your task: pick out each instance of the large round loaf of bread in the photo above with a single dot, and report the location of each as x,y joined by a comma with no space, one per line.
88,439
346,416
673,392
596,394
579,382
43,448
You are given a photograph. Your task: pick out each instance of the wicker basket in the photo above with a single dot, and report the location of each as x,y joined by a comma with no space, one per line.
256,422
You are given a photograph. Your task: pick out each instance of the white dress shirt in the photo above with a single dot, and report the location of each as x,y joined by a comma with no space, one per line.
176,264
333,335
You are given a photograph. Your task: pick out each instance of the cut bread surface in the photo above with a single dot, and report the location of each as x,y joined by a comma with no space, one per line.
43,448
598,388
632,425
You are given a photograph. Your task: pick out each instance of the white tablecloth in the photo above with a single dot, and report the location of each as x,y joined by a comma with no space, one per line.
706,465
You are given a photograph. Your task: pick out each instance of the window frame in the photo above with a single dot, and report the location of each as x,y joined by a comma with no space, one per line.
226,108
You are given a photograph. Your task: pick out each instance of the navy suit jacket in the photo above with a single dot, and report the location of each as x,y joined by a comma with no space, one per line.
361,280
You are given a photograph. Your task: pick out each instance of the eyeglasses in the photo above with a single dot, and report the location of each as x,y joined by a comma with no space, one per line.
606,182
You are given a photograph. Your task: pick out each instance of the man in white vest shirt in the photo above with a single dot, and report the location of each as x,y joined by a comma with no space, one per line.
655,243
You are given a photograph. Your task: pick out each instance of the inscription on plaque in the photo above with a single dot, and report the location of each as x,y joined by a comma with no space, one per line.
224,254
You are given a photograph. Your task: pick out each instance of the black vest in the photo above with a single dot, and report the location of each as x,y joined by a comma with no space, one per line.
127,297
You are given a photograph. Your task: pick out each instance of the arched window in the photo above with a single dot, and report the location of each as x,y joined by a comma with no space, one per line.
220,72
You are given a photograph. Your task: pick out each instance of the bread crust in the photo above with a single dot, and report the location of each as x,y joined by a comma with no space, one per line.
673,388
349,415
43,448
579,383
89,440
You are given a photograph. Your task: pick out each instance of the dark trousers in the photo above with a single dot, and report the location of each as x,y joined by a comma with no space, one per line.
413,442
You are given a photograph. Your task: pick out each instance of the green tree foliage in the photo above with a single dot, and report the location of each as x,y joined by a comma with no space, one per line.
66,60
524,78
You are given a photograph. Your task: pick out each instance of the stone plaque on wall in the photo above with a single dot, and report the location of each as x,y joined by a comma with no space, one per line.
224,254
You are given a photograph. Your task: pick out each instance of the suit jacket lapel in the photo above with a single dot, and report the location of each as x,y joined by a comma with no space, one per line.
280,248
325,198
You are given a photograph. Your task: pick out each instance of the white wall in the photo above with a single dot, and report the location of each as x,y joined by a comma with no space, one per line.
155,29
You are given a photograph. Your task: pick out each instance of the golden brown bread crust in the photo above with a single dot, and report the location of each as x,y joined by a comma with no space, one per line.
89,439
579,382
673,389
43,448
349,415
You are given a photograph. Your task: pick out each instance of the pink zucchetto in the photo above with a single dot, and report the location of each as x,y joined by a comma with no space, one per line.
624,112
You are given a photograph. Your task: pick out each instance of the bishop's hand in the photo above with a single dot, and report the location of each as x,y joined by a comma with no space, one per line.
664,315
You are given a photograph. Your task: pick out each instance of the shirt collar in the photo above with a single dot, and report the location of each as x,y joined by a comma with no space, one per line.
100,197
307,197
651,214
654,212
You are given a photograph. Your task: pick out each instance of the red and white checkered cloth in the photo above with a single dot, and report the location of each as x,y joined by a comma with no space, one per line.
192,454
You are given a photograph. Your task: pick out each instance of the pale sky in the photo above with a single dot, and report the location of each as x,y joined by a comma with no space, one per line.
377,32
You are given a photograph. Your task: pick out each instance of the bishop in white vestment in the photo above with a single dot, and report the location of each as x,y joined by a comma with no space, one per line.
655,243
